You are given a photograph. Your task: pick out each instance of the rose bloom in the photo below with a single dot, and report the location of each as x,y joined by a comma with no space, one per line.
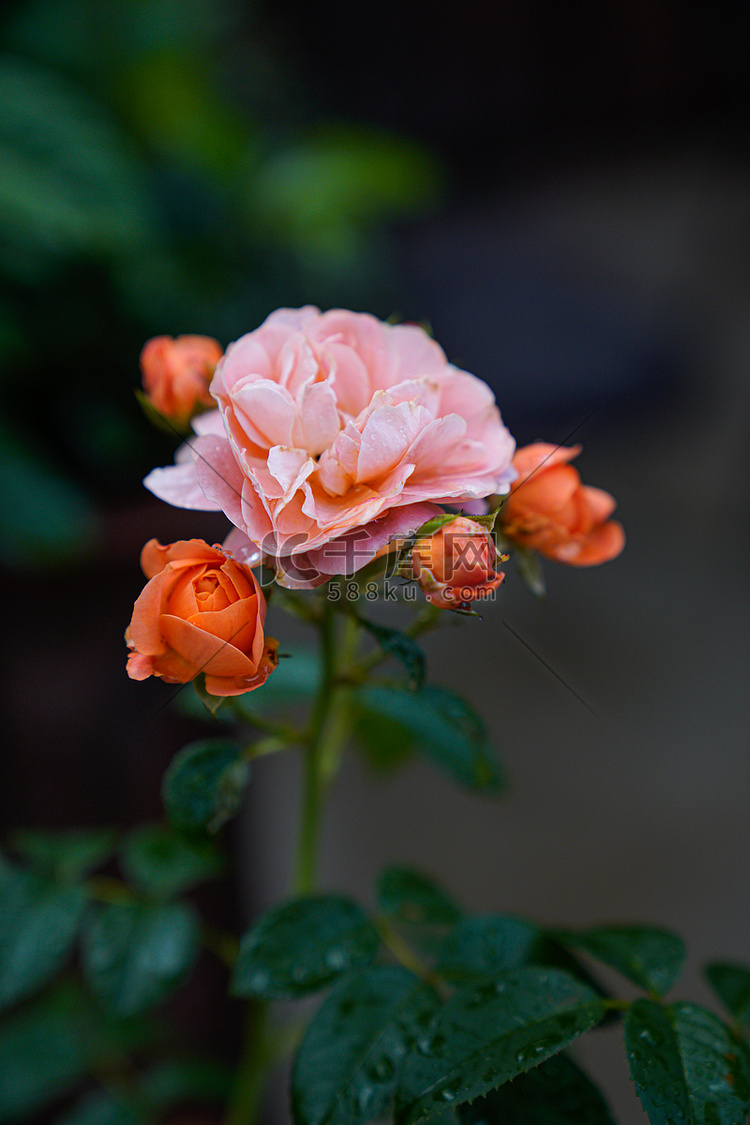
336,433
200,612
551,512
455,565
176,374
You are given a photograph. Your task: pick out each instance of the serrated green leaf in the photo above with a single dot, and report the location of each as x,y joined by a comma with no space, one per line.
401,648
412,896
651,958
731,982
484,946
301,946
350,1058
486,1035
39,921
204,785
164,864
67,855
555,1093
134,954
444,728
104,1107
686,1065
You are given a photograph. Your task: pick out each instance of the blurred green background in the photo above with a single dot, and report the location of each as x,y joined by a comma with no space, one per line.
164,168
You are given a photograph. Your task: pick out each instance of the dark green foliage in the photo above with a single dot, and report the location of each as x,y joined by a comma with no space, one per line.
163,864
411,896
486,1035
39,921
204,785
555,1093
402,648
350,1058
49,1046
686,1065
444,728
65,855
135,954
484,946
651,958
732,983
301,946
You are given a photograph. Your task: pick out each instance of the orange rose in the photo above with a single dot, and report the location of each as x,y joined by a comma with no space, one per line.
454,566
176,374
550,511
200,612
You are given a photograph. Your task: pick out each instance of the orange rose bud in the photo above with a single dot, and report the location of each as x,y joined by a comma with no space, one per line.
550,511
200,612
176,375
455,565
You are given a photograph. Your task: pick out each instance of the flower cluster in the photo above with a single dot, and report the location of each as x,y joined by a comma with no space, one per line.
332,436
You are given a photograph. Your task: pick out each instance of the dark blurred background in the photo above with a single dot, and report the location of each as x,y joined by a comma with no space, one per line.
562,192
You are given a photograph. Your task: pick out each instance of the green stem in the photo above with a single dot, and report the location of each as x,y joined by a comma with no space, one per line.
252,1070
329,730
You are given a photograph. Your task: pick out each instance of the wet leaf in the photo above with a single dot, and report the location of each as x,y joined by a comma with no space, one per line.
301,946
651,958
204,785
412,896
555,1093
686,1065
487,1034
164,864
731,982
350,1058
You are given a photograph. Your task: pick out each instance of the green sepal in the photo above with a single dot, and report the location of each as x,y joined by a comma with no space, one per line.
301,946
204,785
350,1058
731,983
163,863
135,954
39,922
649,957
411,896
488,1034
156,418
556,1092
444,728
686,1065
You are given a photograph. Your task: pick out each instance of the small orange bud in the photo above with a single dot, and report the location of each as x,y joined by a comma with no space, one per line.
176,375
455,566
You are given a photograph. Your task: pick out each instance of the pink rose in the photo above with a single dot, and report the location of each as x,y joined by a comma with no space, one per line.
176,374
456,564
200,611
339,433
550,511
